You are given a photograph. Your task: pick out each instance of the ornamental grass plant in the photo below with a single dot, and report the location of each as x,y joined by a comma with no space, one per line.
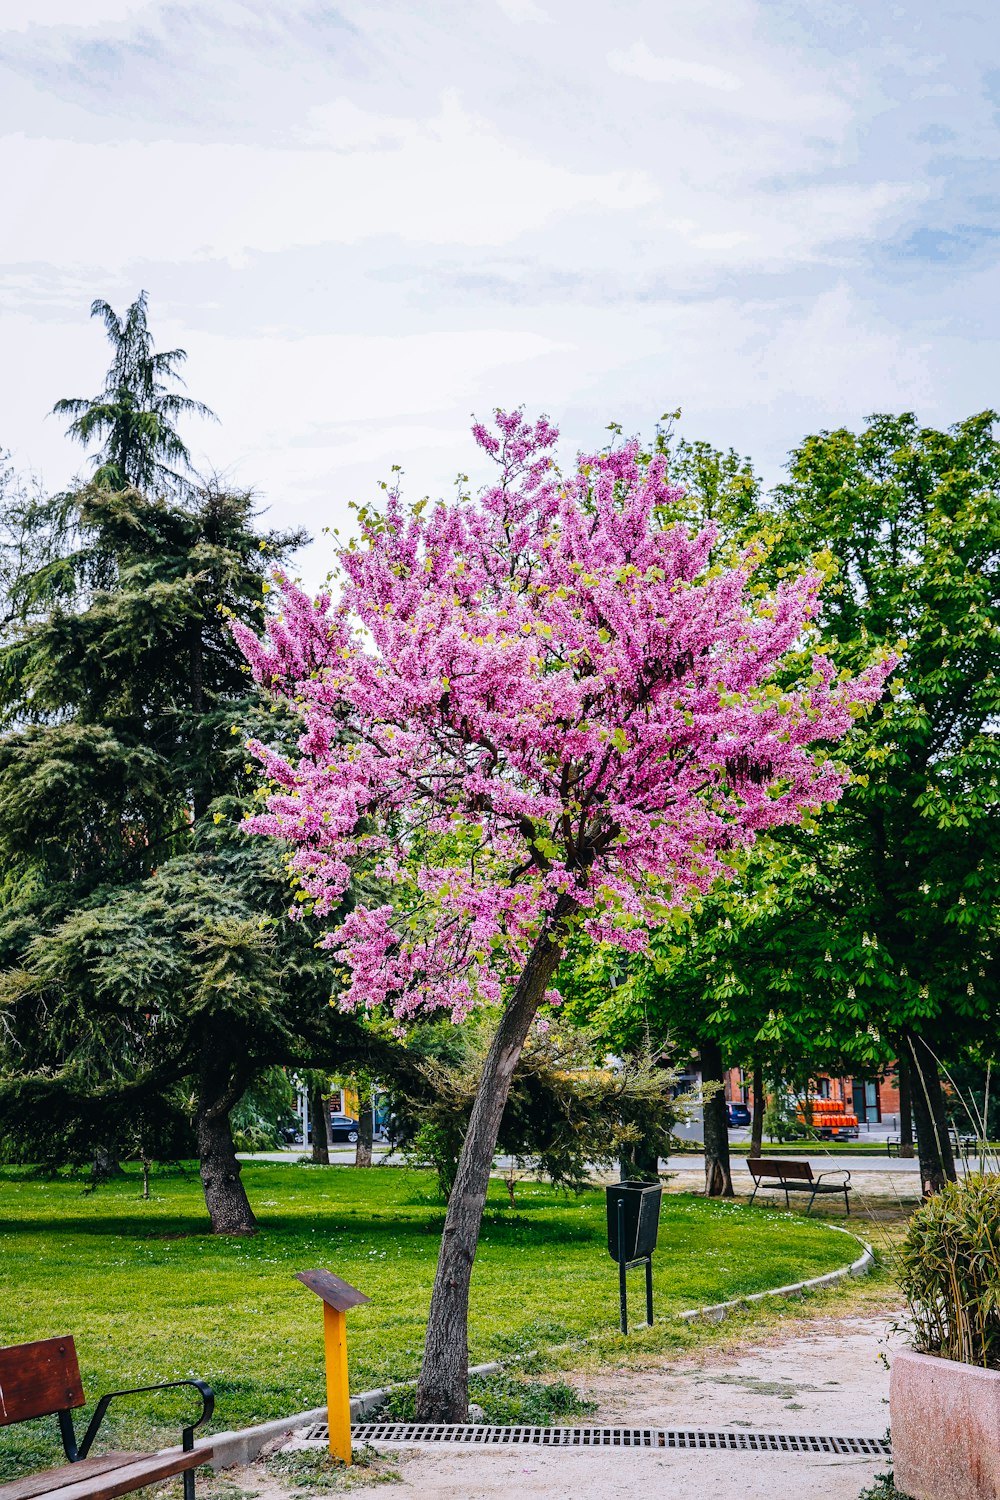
948,1266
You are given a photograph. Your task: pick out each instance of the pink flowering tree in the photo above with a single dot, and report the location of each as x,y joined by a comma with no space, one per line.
538,710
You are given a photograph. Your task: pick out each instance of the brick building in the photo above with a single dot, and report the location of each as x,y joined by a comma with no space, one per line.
875,1101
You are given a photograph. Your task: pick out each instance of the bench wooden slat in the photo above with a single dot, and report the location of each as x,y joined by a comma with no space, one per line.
38,1379
795,1177
50,1479
69,1482
793,1171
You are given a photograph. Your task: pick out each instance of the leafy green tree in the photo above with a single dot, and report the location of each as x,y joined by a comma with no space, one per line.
134,416
906,875
742,979
871,931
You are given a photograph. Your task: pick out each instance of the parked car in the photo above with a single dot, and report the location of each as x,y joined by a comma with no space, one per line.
738,1115
343,1128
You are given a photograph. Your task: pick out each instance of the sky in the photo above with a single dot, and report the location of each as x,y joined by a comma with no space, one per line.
369,223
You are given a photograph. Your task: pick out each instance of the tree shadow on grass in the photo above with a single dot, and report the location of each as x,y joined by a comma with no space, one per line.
300,1228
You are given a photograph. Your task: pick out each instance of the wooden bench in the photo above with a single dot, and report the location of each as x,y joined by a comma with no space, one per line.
796,1177
43,1380
961,1145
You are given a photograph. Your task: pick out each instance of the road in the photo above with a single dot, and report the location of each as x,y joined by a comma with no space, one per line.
687,1162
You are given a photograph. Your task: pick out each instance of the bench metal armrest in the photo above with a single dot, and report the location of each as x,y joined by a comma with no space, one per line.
187,1433
834,1172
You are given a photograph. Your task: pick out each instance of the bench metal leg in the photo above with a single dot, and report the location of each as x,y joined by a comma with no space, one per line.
812,1200
847,1203
787,1204
188,1484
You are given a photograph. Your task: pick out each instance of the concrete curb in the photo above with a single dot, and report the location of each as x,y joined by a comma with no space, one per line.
247,1443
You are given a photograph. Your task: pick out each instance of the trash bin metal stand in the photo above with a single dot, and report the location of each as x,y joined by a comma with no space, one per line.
625,1266
622,1268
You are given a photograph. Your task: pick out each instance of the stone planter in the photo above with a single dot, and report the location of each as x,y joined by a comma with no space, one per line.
945,1428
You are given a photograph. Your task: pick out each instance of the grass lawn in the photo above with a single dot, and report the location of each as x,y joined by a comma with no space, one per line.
149,1295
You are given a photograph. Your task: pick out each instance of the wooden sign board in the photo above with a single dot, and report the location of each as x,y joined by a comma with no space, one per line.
336,1293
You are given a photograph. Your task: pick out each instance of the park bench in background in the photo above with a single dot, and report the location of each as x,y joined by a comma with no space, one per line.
796,1177
961,1145
43,1380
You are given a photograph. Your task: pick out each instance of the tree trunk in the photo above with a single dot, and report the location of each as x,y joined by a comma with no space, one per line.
759,1108
225,1196
366,1128
937,1161
106,1164
718,1177
320,1127
905,1106
443,1387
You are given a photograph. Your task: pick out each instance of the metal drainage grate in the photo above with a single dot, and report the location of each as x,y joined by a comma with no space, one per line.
611,1437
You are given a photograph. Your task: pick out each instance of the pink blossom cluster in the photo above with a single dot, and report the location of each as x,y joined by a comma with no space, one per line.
544,695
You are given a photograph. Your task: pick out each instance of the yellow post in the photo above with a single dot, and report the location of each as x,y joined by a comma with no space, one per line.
338,1399
338,1295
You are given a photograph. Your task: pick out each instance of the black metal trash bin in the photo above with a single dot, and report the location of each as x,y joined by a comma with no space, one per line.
633,1224
640,1221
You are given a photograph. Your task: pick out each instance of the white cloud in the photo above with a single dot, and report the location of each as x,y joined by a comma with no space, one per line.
692,205
738,79
639,62
335,379
520,11
837,359
752,230
22,15
446,180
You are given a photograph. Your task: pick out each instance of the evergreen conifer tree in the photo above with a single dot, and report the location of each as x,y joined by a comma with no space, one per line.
145,977
136,412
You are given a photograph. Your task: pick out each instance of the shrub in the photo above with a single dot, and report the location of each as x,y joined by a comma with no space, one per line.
949,1269
567,1111
884,1488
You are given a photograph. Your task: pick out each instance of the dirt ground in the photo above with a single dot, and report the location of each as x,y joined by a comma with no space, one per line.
826,1376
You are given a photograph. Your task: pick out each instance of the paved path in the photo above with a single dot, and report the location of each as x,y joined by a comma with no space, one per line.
685,1162
829,1379
872,1177
818,1160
